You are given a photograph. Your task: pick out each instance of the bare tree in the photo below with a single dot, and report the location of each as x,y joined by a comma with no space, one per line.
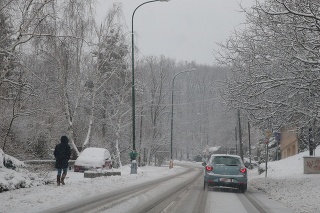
274,63
19,23
155,91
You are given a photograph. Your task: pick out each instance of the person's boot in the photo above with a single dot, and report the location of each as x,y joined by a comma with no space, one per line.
62,179
58,180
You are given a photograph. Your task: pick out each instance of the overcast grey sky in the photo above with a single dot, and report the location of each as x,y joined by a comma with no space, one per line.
182,29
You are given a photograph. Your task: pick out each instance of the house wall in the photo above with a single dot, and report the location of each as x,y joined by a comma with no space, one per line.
288,143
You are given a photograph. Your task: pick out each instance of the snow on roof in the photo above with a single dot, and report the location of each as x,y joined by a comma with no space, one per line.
214,148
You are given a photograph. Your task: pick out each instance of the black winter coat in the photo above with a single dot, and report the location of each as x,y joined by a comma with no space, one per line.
62,153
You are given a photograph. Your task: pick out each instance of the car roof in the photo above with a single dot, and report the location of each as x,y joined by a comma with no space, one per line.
93,151
215,155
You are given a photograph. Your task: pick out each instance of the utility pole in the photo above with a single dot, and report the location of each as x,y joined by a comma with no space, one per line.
268,135
240,136
310,141
236,135
249,144
171,135
134,153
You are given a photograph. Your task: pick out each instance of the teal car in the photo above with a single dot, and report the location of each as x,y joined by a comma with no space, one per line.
225,171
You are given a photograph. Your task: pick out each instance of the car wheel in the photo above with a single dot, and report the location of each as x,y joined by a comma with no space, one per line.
205,186
243,188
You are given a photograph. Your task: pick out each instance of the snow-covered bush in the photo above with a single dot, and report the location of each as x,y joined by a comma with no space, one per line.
11,162
14,175
1,158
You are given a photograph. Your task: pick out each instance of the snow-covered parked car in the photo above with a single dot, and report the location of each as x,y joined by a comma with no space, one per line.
93,158
246,162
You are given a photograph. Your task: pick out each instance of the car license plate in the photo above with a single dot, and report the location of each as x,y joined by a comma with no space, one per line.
228,180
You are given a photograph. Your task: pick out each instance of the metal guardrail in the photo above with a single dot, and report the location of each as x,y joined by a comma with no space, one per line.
45,162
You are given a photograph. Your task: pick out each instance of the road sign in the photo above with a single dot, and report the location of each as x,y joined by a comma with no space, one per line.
268,133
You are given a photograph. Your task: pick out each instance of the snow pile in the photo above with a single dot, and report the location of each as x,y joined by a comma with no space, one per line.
287,183
19,178
13,174
9,161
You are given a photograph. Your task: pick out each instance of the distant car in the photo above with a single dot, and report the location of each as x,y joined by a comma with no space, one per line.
93,158
253,164
247,163
225,171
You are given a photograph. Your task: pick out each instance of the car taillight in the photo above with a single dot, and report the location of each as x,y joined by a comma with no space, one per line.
209,168
243,170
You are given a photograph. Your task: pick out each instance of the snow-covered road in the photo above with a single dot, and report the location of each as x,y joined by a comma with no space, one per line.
286,183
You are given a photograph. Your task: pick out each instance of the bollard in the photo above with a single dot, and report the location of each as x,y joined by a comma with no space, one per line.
134,167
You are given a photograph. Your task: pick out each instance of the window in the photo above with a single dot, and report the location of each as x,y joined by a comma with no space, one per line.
225,160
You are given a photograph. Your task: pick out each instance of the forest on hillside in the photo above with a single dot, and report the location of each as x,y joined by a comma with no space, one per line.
63,73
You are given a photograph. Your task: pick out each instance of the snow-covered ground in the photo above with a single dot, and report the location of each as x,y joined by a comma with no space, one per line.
47,196
285,182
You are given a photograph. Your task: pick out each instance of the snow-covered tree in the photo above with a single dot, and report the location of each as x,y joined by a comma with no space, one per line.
275,64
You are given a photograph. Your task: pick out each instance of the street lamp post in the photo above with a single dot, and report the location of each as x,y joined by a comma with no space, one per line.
133,154
171,137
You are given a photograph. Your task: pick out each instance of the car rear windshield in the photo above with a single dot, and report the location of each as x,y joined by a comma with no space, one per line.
226,160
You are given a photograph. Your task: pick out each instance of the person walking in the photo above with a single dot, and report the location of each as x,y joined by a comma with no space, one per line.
62,153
